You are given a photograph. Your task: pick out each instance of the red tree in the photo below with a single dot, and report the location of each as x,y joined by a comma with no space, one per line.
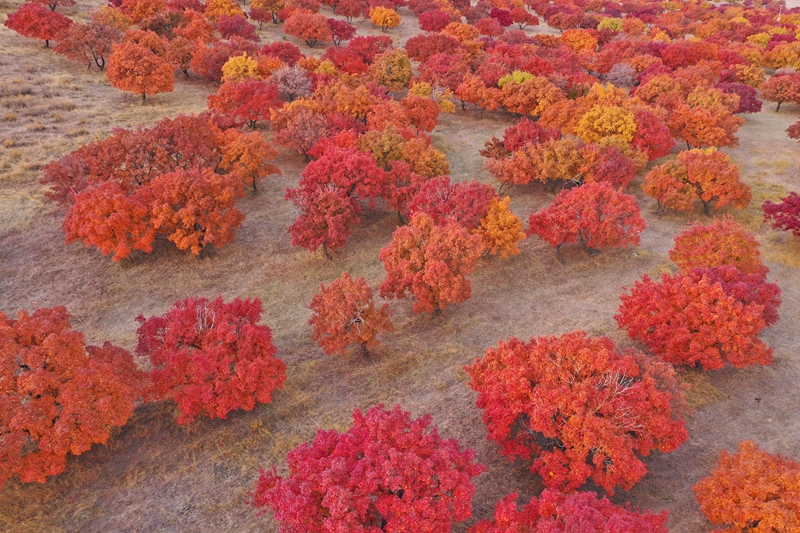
554,512
57,395
705,175
389,472
340,31
211,357
594,215
90,42
435,20
237,25
784,215
752,490
34,20
580,406
430,262
134,68
249,100
707,317
345,313
445,201
349,169
723,242
326,215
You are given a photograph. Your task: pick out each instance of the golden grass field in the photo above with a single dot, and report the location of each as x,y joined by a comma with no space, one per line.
156,476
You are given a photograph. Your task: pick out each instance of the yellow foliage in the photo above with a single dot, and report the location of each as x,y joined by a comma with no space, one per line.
215,8
501,229
384,17
422,88
610,23
760,39
240,68
326,67
607,121
462,32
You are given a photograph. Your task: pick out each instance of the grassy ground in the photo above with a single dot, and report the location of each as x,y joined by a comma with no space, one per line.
157,476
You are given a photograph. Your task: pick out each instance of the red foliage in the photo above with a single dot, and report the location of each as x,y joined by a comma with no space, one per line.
423,112
706,317
652,135
445,201
435,20
422,47
752,490
345,313
236,25
723,242
430,262
249,100
594,215
784,215
57,395
341,30
444,70
34,20
527,132
299,128
90,42
211,357
580,406
288,53
389,472
326,215
581,512
349,169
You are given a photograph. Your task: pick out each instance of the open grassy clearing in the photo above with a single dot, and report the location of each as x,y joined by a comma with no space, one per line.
157,476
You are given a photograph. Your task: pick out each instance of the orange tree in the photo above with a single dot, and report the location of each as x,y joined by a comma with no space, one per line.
705,175
211,357
310,27
706,317
134,68
752,490
579,406
430,262
719,243
384,17
345,313
57,395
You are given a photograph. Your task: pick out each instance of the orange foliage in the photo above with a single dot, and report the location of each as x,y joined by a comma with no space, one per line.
136,69
500,229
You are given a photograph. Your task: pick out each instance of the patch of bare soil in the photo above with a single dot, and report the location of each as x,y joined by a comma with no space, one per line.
157,476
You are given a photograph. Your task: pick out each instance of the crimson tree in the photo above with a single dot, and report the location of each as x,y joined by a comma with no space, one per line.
784,215
211,357
388,473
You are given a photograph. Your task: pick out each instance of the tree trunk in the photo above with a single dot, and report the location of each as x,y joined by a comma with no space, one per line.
779,106
705,208
325,251
558,254
144,97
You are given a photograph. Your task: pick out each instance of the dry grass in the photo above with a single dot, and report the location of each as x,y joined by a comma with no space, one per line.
157,476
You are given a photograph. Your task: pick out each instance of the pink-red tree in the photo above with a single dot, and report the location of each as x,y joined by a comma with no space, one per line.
345,313
444,201
581,512
211,357
326,217
578,405
57,395
388,473
784,215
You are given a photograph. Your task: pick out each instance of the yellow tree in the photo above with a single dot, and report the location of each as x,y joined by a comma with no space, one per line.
384,17
602,122
240,68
